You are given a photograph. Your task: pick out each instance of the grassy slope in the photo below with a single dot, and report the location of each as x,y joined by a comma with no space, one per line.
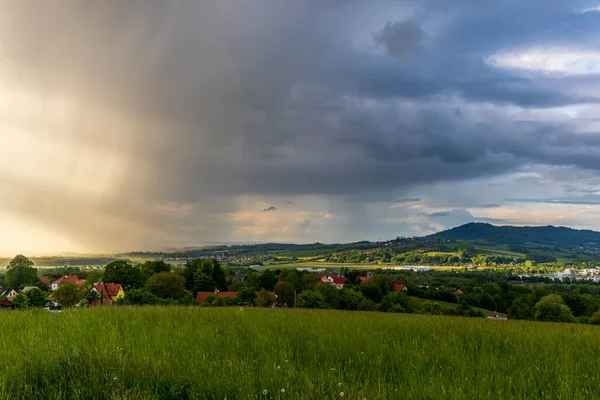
216,353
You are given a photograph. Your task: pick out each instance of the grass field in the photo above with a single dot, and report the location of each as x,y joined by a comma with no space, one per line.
180,353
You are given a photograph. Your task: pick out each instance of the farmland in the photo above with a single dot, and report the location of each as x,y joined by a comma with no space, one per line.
233,353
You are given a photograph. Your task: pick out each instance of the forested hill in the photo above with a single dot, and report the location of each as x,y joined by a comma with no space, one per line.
540,235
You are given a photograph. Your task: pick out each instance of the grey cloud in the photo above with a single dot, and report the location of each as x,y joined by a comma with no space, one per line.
407,199
222,101
270,208
590,199
400,38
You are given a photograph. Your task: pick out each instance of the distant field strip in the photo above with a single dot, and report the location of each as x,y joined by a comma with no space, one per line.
196,353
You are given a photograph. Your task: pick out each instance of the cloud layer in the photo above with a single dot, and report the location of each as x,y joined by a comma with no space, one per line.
148,124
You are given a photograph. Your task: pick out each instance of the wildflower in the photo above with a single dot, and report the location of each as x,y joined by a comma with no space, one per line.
340,384
282,390
265,392
279,367
342,394
285,360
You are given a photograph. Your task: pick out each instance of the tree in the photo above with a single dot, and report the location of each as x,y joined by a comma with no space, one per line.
203,282
67,294
20,301
268,280
264,299
311,299
20,272
331,295
396,302
595,318
522,308
166,285
350,299
285,293
152,267
36,297
246,295
122,272
552,308
371,291
140,297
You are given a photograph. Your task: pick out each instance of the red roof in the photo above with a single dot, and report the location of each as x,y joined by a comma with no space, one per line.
202,296
112,288
5,303
70,278
363,278
398,287
45,279
339,281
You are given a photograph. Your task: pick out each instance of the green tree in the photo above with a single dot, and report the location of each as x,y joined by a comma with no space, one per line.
20,301
285,293
152,267
67,294
349,299
203,282
371,291
20,272
331,295
552,308
311,299
140,297
36,297
120,271
595,318
264,299
522,308
396,302
166,285
246,295
268,280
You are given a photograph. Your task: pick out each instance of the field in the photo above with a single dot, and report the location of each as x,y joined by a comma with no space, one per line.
178,353
342,265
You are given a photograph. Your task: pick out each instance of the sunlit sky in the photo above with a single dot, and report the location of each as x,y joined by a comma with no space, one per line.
148,124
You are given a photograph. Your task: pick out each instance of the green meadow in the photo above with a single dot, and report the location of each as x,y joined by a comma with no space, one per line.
235,353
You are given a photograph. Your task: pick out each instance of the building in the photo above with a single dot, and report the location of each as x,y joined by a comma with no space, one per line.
70,278
239,277
399,287
10,293
45,280
28,288
108,293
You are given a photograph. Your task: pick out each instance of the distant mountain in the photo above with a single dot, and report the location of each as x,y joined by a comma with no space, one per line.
526,235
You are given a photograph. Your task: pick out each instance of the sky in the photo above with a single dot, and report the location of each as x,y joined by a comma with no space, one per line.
147,124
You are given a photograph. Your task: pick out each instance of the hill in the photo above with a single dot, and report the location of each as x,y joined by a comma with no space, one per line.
527,235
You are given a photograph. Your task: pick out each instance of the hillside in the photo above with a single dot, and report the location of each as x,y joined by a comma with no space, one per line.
527,235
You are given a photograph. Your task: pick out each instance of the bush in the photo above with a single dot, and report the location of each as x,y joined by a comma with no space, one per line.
595,319
552,308
311,299
396,302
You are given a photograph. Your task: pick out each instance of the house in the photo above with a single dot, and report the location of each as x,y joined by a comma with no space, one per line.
369,275
239,277
338,282
10,293
70,278
27,289
457,291
202,296
108,293
498,317
5,304
45,280
399,287
363,278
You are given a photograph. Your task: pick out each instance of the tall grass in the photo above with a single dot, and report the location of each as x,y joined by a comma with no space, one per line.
174,353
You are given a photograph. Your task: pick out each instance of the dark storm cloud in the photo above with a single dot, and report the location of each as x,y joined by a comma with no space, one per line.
400,38
268,209
407,199
272,97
